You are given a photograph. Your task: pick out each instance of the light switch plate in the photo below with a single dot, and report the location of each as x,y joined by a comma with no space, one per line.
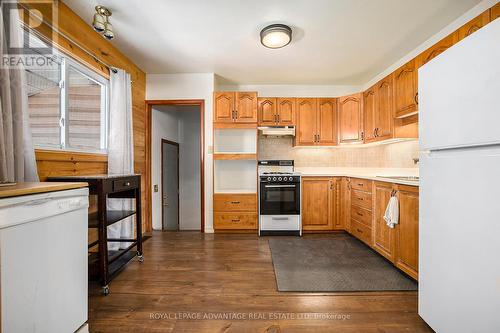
155,187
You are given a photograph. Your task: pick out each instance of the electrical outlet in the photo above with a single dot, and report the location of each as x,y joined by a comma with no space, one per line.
155,187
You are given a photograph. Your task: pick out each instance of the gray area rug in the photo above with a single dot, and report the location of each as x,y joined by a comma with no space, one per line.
340,263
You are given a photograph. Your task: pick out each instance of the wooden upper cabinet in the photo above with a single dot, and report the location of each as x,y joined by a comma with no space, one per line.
369,113
286,111
385,109
246,107
327,127
267,111
384,238
306,133
495,12
407,235
406,90
224,107
318,202
474,25
437,49
351,118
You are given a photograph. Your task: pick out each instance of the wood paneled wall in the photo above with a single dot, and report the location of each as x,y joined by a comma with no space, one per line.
72,36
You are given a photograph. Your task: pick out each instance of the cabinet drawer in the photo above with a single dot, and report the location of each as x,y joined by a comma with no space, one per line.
361,231
361,199
361,215
235,221
361,184
235,202
124,184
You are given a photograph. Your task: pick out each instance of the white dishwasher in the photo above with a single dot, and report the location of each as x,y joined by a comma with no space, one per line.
43,262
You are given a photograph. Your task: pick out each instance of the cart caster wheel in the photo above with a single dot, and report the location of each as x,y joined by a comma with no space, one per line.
105,290
140,257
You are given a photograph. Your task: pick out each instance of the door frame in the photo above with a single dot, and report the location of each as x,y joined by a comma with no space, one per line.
168,142
149,113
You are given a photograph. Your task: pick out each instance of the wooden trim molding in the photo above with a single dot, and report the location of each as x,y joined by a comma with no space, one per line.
149,114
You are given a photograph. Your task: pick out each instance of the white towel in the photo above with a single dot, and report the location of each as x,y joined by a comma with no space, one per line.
391,215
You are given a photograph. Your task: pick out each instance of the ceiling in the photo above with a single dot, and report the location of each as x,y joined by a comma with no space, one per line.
344,42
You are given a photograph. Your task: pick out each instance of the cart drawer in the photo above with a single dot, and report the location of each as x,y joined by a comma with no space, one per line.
125,184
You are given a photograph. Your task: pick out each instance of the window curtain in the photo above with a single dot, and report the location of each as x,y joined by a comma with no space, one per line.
17,155
120,150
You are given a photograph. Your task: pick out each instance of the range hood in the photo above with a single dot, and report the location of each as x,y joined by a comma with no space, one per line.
278,130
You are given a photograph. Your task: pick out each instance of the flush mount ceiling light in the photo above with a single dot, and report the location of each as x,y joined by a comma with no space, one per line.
275,36
101,22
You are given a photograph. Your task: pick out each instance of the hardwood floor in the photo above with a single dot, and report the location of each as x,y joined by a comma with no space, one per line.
188,276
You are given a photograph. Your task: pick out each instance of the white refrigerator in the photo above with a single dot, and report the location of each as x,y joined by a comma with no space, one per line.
459,239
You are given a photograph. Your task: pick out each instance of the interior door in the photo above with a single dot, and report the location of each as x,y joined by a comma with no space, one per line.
170,185
246,107
306,121
327,121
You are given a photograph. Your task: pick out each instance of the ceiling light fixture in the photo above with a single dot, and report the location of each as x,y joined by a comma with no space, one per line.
101,22
275,36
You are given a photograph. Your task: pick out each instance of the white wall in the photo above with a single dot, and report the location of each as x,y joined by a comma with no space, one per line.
180,124
190,86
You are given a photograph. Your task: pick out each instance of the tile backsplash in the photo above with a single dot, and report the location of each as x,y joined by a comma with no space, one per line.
392,155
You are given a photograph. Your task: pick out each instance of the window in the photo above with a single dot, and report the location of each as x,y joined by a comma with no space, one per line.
68,105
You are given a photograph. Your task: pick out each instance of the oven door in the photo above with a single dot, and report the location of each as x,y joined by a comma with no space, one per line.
280,199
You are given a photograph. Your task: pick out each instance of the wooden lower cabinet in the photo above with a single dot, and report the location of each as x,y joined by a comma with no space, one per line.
320,203
345,203
384,238
407,230
235,211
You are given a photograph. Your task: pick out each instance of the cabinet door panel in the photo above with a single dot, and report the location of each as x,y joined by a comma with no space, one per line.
385,109
351,118
405,90
437,49
317,203
267,111
495,12
383,236
345,204
286,111
407,234
306,121
246,107
224,107
327,121
369,107
474,25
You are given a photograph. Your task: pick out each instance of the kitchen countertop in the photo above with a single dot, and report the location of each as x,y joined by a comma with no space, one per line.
33,188
365,173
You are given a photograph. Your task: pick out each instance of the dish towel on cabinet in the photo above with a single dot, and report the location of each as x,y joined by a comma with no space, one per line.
391,215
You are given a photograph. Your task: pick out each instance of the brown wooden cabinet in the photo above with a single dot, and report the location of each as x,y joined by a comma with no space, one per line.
316,122
406,90
407,230
437,49
235,211
351,118
327,127
495,12
306,132
384,109
369,114
474,25
384,238
274,111
345,204
361,203
320,203
235,107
